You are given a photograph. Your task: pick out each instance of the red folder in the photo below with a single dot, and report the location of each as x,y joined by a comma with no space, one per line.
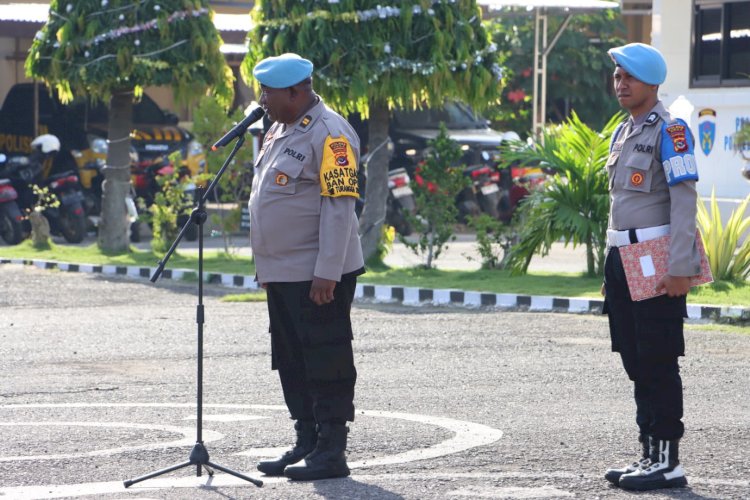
647,262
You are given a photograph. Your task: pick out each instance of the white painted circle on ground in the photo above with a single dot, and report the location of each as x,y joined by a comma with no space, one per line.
467,435
186,440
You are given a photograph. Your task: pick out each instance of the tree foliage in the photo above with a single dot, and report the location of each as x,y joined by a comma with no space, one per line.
93,47
416,53
110,50
440,179
209,122
371,58
578,68
574,203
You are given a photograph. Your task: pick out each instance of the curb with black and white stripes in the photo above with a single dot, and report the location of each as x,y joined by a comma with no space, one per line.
408,296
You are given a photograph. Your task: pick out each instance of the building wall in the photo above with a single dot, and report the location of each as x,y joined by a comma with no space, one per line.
720,169
11,69
637,28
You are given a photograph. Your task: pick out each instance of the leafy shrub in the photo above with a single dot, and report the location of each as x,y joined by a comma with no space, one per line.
441,181
209,124
494,239
729,260
169,204
573,206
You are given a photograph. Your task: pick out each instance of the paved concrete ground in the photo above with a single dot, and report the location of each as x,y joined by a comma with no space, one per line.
98,386
461,254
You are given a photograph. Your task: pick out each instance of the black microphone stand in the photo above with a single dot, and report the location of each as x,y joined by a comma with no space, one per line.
199,454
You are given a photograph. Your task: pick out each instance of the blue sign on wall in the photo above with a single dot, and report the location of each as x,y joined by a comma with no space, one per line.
707,129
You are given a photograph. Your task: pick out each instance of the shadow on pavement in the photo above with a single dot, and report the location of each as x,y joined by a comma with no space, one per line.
349,488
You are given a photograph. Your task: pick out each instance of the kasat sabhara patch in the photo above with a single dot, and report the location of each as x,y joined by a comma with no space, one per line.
338,170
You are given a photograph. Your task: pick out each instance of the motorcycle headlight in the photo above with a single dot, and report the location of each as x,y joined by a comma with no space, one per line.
98,145
194,148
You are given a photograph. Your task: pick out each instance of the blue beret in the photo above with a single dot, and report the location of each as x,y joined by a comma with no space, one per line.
642,61
282,71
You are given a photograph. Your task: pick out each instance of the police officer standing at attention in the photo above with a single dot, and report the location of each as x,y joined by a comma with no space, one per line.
307,256
652,176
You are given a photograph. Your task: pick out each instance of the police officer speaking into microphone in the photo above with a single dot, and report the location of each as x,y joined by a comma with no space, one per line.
307,256
652,176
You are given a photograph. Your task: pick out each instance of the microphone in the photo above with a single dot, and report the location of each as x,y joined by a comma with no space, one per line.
239,129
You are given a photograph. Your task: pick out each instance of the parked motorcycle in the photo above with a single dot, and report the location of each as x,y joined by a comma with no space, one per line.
11,218
68,218
400,201
484,180
467,201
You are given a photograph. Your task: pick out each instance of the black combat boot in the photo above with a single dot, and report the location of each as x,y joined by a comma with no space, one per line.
327,459
306,439
613,475
665,470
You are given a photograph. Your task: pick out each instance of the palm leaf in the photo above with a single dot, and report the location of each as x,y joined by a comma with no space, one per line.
575,203
726,259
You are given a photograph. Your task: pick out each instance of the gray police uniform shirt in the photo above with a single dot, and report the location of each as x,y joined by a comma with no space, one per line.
302,220
652,175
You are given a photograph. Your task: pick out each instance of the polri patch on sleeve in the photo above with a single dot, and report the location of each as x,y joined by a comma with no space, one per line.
677,156
338,169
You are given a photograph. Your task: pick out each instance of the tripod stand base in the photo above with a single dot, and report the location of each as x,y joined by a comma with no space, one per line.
198,457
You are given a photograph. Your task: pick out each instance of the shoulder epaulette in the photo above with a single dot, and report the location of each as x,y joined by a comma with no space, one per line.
652,118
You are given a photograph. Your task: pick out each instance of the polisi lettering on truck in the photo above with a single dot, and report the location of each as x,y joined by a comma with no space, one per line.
18,144
12,143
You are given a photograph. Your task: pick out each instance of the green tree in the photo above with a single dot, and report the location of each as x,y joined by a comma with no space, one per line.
574,203
110,50
371,58
441,181
578,68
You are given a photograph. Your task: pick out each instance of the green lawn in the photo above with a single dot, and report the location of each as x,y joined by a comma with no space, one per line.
559,284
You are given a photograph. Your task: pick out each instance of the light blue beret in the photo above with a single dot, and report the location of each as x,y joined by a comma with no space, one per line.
642,61
282,71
